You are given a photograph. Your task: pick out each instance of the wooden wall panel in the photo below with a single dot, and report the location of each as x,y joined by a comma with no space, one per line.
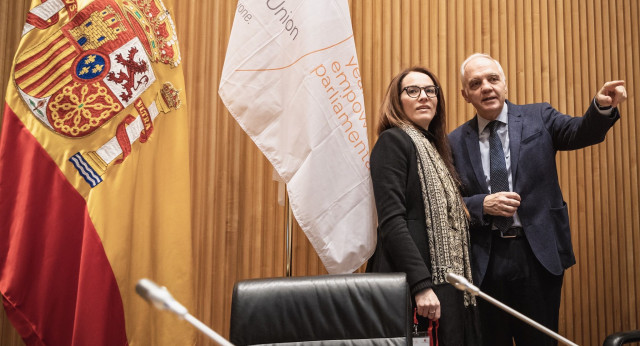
552,51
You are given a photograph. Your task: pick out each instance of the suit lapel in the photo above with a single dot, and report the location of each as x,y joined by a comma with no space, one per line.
473,148
515,137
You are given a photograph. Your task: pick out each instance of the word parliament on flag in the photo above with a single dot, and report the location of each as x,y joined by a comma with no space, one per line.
292,82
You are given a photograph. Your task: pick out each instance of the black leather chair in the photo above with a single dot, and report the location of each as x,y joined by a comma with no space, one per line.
621,338
351,309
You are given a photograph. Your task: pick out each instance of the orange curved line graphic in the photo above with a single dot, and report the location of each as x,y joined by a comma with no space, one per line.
300,58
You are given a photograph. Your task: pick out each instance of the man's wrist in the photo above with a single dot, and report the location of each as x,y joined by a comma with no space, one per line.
601,108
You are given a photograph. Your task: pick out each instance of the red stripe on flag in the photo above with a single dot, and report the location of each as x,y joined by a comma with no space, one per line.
40,67
37,83
42,52
55,278
50,86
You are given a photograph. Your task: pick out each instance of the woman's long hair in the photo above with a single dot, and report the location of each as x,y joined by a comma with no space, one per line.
393,115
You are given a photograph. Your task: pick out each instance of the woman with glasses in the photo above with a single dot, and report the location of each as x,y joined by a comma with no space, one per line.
422,220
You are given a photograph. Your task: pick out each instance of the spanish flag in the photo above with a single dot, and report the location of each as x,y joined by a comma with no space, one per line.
94,175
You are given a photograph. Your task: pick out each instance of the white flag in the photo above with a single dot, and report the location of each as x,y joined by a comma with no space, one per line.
291,80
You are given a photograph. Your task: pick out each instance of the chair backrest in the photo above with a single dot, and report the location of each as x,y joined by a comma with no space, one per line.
350,309
621,338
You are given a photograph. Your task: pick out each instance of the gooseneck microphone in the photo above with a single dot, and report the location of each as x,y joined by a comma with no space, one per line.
463,284
159,297
163,300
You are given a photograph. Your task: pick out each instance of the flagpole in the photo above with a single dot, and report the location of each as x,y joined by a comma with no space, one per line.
288,230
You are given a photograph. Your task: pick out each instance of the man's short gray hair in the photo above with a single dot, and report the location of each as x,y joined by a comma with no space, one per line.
480,55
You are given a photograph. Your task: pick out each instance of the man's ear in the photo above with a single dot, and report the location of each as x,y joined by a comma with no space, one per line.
464,95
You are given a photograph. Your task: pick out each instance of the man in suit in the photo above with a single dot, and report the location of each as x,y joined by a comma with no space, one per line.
520,237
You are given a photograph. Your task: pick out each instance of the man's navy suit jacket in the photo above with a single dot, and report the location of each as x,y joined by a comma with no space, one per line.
536,133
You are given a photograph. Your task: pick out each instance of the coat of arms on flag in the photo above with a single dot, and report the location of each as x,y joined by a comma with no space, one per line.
94,174
96,65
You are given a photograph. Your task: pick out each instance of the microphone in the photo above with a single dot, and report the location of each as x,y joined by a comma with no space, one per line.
463,284
159,297
163,300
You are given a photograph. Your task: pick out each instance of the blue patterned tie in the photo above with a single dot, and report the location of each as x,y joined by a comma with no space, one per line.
498,171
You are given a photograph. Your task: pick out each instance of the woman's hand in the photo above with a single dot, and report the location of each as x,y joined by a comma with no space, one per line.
428,304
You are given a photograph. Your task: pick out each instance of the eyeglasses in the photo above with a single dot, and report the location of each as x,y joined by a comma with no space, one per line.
413,91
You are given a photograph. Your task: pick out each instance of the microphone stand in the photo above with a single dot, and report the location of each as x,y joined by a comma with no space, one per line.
163,300
206,330
463,284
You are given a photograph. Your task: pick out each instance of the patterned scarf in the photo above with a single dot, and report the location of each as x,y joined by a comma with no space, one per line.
445,216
